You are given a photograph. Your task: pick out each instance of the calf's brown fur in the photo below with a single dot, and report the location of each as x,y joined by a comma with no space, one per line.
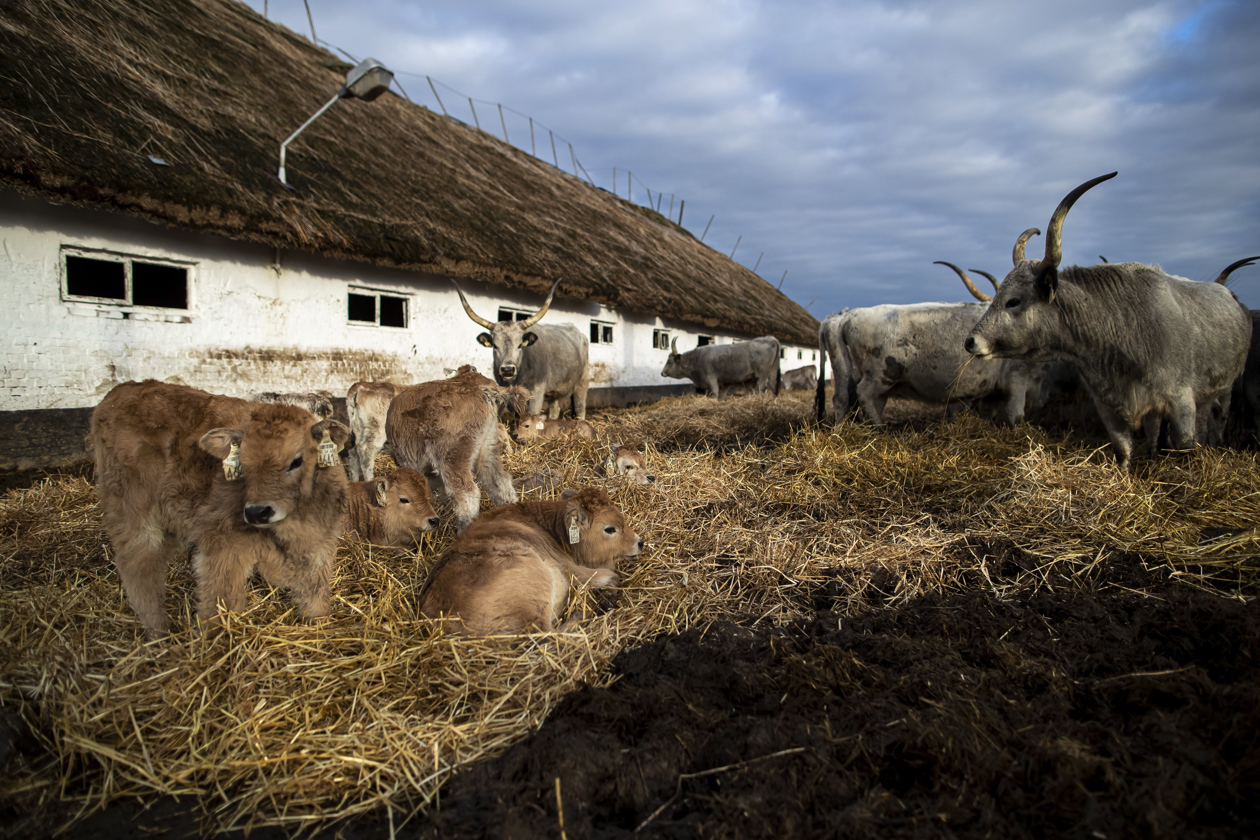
510,571
448,431
367,404
159,453
535,427
390,511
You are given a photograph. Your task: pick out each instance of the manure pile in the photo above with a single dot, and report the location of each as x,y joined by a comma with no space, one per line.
944,628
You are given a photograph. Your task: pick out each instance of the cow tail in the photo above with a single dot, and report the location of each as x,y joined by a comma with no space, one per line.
820,391
778,375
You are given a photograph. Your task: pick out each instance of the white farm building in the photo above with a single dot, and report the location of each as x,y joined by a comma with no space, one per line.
145,234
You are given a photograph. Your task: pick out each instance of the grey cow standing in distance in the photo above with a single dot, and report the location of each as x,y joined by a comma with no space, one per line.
715,365
548,361
1148,345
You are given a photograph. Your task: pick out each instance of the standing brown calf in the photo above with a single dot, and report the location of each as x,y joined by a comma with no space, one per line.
510,570
242,481
390,511
535,426
367,404
448,430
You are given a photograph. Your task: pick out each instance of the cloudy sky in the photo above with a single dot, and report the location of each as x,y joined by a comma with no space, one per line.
853,143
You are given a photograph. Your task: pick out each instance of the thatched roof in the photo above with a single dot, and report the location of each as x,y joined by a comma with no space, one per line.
89,89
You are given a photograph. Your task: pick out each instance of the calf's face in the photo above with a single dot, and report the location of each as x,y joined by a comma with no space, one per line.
408,506
629,462
598,535
278,453
530,427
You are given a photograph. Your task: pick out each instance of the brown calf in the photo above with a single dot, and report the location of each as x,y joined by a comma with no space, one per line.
510,570
367,403
390,511
448,430
629,462
535,427
242,481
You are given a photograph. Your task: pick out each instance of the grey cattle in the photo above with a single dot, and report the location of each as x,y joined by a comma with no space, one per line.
715,365
801,379
547,361
1148,345
916,350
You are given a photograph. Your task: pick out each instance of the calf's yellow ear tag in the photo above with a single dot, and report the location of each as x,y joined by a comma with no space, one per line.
232,464
575,535
328,451
540,425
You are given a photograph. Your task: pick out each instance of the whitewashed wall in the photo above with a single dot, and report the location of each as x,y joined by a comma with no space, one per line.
252,324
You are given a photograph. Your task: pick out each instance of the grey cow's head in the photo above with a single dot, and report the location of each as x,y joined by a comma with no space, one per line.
673,365
508,338
1021,317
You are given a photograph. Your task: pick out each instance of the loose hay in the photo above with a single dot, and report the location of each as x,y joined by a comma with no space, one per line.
757,517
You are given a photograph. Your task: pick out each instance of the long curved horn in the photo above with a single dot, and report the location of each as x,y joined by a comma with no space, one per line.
1054,231
1101,257
537,316
1017,255
971,287
477,318
1232,266
673,347
986,275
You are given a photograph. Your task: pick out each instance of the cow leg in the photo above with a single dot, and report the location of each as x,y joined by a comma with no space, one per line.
493,478
712,386
579,398
553,412
586,576
221,576
1181,419
1152,425
873,396
456,474
309,584
1121,436
363,456
141,559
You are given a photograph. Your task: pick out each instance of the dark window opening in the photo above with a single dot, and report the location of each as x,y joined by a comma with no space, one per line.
607,336
511,315
601,333
594,333
86,277
159,285
393,311
660,339
701,341
363,308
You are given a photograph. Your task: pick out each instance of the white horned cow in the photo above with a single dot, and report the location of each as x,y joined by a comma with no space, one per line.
367,403
1149,346
916,350
250,485
510,572
448,430
547,360
714,366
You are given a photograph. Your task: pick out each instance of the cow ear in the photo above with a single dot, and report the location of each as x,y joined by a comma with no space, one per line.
339,432
485,340
575,519
568,493
382,491
219,442
1047,282
528,339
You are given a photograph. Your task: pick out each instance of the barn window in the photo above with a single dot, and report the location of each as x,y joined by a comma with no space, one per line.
782,353
601,333
660,339
511,315
103,277
813,356
367,306
703,340
800,354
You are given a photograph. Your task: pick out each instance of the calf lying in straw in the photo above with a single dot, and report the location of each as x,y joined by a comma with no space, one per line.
253,486
448,430
392,510
537,427
510,571
622,461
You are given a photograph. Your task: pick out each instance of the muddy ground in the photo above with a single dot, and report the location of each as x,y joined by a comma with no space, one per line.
1074,711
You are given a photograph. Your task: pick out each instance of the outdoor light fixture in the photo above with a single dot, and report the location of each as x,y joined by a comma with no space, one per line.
366,81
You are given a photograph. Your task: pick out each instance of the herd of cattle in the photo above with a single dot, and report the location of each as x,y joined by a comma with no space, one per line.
1152,350
271,483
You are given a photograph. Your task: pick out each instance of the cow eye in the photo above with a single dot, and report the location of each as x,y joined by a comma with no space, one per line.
297,462
610,530
404,500
1013,303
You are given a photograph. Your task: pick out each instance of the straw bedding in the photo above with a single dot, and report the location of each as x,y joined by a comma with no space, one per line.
802,586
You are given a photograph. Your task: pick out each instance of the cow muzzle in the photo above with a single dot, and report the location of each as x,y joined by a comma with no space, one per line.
977,346
262,516
507,372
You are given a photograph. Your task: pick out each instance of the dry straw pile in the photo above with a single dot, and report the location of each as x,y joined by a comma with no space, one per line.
757,516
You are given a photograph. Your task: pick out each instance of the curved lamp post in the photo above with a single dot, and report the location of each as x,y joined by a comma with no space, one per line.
368,80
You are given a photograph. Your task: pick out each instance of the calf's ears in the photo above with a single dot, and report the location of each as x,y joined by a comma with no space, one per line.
575,519
333,438
381,491
219,442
